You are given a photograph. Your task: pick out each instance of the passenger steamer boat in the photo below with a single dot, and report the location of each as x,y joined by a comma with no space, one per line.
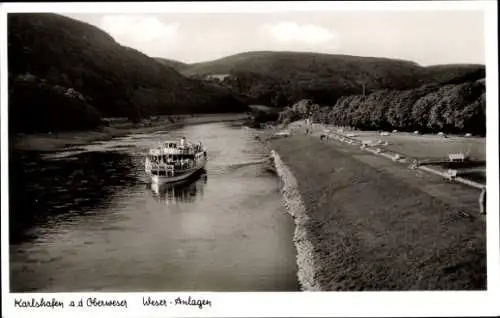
175,161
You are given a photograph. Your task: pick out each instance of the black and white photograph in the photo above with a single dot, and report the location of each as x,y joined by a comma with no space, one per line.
285,150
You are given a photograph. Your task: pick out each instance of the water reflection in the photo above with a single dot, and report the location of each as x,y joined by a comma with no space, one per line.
41,190
185,191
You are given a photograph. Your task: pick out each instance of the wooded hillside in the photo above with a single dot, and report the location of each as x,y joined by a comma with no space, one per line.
51,55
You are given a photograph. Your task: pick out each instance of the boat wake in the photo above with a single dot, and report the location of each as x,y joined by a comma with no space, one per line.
247,163
230,168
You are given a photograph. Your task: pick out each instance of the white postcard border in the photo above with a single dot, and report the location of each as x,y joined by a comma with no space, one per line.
386,304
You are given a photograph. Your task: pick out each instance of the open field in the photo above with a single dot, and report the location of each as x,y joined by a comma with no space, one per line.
372,224
118,127
423,146
429,150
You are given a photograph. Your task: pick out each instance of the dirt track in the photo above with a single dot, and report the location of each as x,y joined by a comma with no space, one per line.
366,223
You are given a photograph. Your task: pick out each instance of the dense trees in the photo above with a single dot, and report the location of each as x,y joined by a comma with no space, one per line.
302,109
431,108
56,108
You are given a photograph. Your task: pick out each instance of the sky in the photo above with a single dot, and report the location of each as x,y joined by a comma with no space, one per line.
425,37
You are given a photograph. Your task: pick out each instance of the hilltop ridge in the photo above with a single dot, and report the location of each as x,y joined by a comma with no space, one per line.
282,78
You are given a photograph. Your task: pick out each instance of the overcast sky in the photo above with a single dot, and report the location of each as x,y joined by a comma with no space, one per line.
426,37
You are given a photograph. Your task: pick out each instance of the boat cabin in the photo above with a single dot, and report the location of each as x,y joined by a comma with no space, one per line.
174,157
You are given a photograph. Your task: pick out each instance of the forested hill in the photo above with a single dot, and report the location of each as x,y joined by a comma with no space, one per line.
283,78
176,65
66,74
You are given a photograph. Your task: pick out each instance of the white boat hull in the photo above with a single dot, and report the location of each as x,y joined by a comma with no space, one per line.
159,180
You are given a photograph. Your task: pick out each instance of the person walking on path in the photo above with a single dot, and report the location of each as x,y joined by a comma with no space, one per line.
308,125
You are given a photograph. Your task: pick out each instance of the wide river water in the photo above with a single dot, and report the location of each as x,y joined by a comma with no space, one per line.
86,219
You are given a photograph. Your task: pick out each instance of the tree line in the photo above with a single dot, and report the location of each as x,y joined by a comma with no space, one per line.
431,108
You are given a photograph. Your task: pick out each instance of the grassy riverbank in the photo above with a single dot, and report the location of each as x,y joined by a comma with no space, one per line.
421,146
57,141
371,224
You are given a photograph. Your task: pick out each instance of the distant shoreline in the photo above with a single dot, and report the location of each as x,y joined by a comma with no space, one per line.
45,142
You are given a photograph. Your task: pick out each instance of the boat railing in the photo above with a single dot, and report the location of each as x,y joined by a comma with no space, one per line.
175,151
165,166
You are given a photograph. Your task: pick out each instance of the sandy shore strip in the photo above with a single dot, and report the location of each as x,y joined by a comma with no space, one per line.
59,141
365,223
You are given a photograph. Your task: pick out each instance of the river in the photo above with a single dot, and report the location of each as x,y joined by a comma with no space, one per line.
85,219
